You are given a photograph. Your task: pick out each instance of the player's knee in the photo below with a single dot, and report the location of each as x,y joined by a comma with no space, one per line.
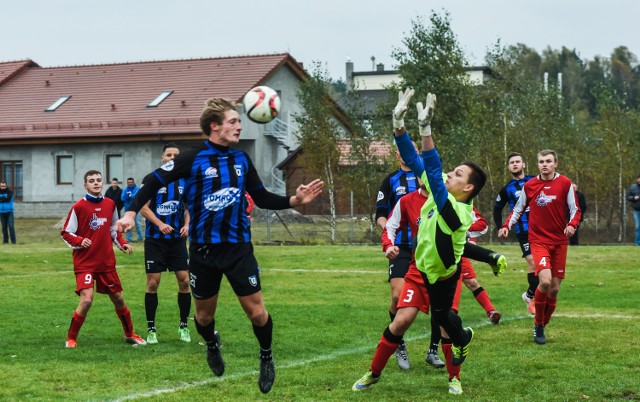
440,315
472,284
85,303
258,316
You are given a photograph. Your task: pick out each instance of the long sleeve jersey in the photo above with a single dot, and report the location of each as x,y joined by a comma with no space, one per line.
92,218
443,220
548,202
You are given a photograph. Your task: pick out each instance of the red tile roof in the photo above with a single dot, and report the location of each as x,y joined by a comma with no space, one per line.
377,149
10,69
110,100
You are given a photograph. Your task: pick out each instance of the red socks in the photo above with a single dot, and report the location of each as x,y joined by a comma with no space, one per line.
383,352
125,318
545,306
76,324
551,307
454,371
540,299
483,298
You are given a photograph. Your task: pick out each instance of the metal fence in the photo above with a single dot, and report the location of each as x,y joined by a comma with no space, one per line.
40,222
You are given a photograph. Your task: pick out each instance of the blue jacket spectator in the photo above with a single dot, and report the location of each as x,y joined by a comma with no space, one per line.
6,213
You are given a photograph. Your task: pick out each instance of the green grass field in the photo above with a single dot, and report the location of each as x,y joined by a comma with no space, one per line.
329,305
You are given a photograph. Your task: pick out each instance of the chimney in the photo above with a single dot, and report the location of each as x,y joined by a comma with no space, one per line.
349,74
380,67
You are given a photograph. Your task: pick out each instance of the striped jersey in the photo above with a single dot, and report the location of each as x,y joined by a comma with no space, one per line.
216,178
509,195
395,186
168,207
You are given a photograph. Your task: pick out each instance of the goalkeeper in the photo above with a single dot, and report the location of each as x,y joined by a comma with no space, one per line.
441,239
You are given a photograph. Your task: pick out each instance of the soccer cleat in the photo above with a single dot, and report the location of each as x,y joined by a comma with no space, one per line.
434,360
365,382
70,344
152,337
214,357
494,317
267,375
531,305
402,357
185,336
455,386
538,335
498,263
135,340
460,353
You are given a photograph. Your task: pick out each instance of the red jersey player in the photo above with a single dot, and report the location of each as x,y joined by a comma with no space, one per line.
549,196
89,230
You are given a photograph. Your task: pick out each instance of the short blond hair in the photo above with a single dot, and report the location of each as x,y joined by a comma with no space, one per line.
213,112
546,152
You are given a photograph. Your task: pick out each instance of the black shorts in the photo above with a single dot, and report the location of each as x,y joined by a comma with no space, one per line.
398,268
209,262
441,293
165,254
523,239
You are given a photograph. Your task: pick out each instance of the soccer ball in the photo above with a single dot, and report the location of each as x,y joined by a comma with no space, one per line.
261,104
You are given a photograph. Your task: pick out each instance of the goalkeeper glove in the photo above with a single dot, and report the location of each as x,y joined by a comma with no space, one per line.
401,108
425,114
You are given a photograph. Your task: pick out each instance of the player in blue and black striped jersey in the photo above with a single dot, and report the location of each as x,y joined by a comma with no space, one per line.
216,178
509,194
165,247
395,186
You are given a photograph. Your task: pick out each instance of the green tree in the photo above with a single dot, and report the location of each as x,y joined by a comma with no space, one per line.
432,61
319,133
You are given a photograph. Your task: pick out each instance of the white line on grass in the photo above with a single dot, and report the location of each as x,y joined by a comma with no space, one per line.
340,353
329,271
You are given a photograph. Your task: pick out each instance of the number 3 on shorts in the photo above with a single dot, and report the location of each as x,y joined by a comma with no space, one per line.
88,278
409,296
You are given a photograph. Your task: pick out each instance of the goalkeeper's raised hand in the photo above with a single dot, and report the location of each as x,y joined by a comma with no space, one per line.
425,114
401,108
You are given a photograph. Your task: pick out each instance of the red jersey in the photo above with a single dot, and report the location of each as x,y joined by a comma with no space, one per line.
92,218
404,214
548,202
407,213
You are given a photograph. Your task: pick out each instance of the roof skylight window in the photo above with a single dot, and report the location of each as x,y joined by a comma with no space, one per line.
163,95
57,103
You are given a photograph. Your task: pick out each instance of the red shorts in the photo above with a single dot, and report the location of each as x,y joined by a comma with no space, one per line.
467,269
106,282
414,292
550,256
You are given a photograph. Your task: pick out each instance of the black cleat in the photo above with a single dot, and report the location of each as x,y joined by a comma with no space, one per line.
538,335
267,375
214,357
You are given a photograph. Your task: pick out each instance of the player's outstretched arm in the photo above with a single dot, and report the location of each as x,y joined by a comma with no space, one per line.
305,193
127,222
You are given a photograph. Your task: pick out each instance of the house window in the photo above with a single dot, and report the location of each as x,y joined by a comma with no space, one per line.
57,103
12,174
64,169
115,168
158,100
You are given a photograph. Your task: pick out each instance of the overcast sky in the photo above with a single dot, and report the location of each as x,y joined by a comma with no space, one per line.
73,32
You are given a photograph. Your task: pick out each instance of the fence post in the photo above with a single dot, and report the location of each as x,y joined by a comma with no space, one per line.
624,216
352,224
268,225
